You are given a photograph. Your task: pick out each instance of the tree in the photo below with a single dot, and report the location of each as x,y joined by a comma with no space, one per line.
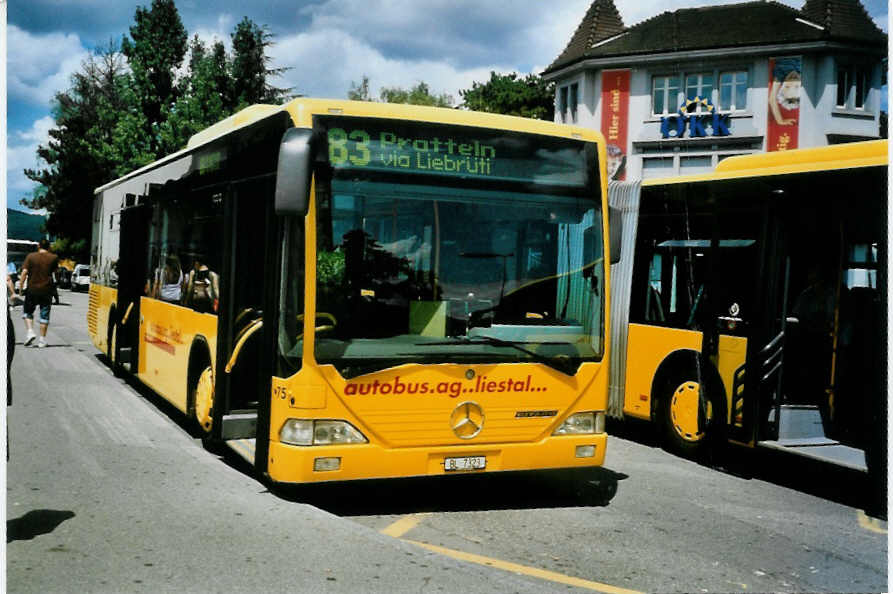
360,92
417,95
204,98
529,97
125,109
79,155
155,49
250,69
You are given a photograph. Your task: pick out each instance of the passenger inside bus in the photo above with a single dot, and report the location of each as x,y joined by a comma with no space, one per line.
202,287
168,280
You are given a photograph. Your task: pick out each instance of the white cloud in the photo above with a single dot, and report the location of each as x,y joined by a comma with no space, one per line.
325,62
21,154
39,66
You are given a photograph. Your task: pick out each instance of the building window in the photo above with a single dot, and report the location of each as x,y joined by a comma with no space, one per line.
653,167
665,94
695,164
699,86
853,84
568,99
733,91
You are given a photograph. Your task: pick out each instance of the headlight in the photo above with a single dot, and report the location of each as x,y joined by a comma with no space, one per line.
306,432
582,424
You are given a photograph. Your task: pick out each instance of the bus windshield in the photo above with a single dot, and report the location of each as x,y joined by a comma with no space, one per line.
421,268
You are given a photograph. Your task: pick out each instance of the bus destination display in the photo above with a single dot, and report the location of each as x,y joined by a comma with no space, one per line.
460,151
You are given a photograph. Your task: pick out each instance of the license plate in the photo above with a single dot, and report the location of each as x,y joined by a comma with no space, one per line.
466,463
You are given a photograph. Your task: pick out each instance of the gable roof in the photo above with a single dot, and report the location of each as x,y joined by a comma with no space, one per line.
601,21
725,26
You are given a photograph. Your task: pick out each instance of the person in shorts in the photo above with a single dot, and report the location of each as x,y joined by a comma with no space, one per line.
37,275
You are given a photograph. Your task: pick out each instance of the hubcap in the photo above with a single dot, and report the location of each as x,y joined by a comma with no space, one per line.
204,399
684,411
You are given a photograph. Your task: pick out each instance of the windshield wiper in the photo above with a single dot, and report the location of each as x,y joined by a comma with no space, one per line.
563,364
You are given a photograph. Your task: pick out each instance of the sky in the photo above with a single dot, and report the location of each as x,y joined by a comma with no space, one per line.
329,44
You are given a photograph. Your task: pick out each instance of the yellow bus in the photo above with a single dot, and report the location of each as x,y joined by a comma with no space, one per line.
343,290
750,304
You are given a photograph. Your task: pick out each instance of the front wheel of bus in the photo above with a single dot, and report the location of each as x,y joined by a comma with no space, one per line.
690,417
112,346
203,400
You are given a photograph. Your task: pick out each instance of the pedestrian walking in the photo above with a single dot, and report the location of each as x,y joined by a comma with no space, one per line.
37,276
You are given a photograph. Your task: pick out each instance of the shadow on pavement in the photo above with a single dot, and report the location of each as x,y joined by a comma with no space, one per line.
820,479
590,487
34,523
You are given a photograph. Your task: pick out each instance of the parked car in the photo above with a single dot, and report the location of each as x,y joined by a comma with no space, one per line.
80,278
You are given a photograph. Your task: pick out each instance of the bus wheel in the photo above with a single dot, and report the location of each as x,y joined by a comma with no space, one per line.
687,416
203,399
112,346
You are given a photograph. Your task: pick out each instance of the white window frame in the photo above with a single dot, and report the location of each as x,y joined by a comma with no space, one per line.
733,106
852,73
666,89
699,87
569,102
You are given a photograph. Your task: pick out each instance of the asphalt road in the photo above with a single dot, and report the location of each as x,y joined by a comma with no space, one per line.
108,492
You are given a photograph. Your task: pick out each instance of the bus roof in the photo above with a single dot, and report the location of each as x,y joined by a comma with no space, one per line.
302,110
872,153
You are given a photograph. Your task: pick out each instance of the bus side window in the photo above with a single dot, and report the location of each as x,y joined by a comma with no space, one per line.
654,311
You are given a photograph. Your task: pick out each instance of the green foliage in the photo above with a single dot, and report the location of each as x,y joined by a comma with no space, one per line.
249,66
417,95
528,97
67,248
360,92
330,268
127,108
155,49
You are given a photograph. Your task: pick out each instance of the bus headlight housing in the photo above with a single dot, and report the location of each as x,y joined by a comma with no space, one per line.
584,423
310,432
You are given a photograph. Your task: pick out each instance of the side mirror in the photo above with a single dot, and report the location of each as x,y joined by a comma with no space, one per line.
294,172
615,227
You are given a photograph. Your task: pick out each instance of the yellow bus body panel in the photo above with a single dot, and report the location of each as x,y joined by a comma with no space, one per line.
167,332
410,433
732,355
99,305
647,348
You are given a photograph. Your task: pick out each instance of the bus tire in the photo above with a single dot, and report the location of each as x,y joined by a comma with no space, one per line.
112,346
200,389
692,415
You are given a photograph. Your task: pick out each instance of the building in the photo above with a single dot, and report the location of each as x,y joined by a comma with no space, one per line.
681,91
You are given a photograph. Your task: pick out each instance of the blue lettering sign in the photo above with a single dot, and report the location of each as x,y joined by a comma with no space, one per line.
697,123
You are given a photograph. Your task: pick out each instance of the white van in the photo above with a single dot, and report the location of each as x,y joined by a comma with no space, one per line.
80,278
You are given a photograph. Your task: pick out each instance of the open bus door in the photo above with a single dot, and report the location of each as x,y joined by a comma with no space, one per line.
123,339
803,368
246,319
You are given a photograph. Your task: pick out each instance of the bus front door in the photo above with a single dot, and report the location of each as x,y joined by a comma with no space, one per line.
131,269
243,379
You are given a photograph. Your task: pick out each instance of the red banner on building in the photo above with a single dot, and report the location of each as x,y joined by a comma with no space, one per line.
615,119
782,131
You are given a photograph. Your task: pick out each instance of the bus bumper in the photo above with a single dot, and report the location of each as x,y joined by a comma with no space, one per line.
312,464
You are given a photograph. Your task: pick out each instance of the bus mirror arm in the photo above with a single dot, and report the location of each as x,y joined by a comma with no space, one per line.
294,171
615,228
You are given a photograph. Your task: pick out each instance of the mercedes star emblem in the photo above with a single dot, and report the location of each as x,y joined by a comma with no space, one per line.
467,420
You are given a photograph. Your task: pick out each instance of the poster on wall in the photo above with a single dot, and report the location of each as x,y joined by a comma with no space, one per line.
784,103
615,116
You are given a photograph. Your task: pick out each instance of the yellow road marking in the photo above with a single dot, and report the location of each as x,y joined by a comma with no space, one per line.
871,524
524,570
403,525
